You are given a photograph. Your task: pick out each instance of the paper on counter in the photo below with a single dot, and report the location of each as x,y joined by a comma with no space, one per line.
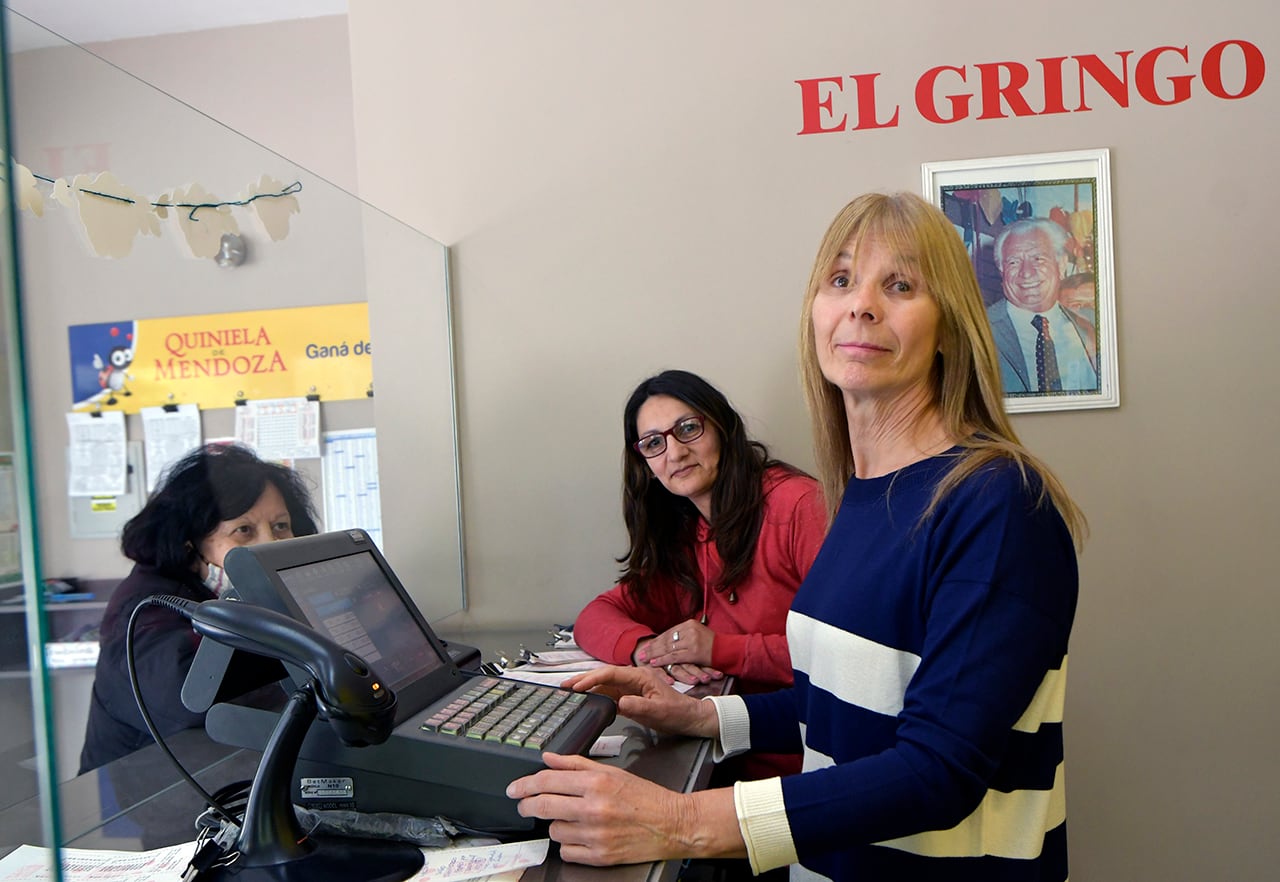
567,667
30,863
532,674
552,666
607,745
562,657
486,861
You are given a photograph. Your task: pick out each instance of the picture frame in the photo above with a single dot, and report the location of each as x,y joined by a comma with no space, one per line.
1051,299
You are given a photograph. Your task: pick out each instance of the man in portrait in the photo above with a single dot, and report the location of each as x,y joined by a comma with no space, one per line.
1045,345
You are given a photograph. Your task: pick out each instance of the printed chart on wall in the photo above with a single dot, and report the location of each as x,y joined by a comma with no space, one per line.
96,460
351,492
280,429
170,433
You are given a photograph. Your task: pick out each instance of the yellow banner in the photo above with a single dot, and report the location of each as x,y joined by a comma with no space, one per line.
213,360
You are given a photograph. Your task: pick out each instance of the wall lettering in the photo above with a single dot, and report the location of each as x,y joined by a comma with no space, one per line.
945,94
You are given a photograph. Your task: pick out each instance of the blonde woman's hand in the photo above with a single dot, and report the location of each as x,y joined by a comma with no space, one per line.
602,815
645,696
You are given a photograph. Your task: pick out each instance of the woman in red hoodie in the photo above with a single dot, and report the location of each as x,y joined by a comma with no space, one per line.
721,537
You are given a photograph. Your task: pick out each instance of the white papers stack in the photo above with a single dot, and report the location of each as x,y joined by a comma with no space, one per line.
553,666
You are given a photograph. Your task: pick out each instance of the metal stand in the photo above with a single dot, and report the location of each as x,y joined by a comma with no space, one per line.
273,846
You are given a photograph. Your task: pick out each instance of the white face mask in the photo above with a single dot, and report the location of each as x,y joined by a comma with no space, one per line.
217,580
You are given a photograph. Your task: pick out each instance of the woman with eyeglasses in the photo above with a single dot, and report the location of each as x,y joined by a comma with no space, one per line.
721,537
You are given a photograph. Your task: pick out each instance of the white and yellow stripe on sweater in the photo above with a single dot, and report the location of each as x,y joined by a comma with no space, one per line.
865,673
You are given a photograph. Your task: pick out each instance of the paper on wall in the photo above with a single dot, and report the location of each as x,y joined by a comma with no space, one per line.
168,435
96,464
352,493
280,428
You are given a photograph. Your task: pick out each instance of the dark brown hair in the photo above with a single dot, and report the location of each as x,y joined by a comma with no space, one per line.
209,485
661,525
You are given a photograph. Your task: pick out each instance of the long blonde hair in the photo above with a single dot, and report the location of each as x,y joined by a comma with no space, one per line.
966,376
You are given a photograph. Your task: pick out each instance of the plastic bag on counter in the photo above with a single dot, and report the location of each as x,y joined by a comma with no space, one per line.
427,832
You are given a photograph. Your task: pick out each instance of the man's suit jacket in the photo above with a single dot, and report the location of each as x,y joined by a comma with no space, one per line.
1013,362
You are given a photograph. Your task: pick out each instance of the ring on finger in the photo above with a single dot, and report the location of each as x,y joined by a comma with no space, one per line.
668,669
675,636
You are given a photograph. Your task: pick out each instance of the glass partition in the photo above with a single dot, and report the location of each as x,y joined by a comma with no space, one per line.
168,262
26,723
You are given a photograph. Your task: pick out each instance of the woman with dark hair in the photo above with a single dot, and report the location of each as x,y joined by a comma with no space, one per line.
214,499
721,537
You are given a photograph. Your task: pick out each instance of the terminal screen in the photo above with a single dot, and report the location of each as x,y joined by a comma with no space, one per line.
351,600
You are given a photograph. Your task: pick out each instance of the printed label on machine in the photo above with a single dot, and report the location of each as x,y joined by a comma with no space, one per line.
327,788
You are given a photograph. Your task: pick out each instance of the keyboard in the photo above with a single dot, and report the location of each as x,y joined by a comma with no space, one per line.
453,758
506,712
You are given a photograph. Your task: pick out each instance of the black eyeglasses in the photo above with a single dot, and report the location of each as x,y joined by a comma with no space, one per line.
687,430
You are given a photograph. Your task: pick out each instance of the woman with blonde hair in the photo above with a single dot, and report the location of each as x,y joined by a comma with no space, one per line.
929,639
969,397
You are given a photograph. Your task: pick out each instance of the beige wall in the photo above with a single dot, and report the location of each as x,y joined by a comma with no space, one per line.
623,190
285,84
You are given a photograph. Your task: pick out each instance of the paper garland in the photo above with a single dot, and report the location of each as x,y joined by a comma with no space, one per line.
112,215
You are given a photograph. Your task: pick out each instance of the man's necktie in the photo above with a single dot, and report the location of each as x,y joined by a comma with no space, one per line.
1046,358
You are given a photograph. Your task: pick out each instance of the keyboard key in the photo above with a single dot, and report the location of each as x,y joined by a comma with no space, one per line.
506,712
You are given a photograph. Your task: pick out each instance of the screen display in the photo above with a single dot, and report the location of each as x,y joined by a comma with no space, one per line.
352,601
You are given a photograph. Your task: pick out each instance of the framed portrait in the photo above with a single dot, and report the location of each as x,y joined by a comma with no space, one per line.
1038,230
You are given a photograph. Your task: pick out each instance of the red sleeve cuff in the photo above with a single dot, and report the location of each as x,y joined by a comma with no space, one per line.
626,644
727,651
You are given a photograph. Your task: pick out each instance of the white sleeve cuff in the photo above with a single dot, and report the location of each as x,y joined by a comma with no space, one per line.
762,818
735,726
